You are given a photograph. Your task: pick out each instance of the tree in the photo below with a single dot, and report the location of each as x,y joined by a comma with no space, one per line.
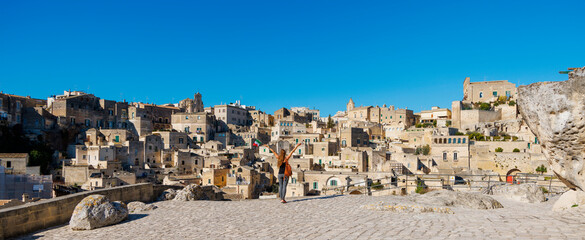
330,123
516,150
426,149
499,149
541,169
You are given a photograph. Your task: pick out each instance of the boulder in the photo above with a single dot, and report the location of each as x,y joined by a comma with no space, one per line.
456,199
555,112
135,207
194,192
168,194
96,211
570,200
528,192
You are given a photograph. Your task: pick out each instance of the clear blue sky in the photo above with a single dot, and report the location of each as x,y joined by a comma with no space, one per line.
274,54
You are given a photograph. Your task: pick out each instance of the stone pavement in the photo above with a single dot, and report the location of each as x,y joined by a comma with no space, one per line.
332,217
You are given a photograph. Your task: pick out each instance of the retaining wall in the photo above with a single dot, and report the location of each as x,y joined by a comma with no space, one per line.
31,217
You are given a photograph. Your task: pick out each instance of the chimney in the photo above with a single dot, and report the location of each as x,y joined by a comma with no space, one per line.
25,198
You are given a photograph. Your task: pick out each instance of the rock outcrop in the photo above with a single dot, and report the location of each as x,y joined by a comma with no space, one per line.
194,192
136,207
168,194
528,192
457,199
570,200
96,211
555,112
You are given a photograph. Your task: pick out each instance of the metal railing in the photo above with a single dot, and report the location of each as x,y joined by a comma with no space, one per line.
406,183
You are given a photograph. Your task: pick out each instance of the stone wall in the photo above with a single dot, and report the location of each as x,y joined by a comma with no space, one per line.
15,221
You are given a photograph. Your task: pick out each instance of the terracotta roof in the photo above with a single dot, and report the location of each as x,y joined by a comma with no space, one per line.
13,155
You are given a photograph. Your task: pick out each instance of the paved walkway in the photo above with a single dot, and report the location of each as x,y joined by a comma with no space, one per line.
338,217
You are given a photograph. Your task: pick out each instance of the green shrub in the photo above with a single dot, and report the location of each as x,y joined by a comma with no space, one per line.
499,149
421,187
512,103
516,150
485,106
475,135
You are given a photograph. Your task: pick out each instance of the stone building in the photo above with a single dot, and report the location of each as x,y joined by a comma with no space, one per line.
488,91
384,115
194,105
285,128
159,116
87,110
310,114
435,114
14,163
261,119
234,113
450,153
354,137
200,125
12,107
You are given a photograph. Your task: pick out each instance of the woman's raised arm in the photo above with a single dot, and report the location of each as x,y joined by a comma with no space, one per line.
292,152
274,152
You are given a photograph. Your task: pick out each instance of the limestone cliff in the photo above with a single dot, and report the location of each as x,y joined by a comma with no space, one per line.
555,112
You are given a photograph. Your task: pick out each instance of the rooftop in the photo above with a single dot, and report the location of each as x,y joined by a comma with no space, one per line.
13,155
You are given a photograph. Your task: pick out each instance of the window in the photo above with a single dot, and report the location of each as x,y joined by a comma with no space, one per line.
8,164
454,156
449,140
315,185
464,140
87,122
209,181
444,156
508,94
459,140
333,182
343,143
186,117
495,94
480,94
198,117
0,102
180,140
358,141
111,113
117,139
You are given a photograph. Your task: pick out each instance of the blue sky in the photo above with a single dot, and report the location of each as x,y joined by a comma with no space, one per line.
274,54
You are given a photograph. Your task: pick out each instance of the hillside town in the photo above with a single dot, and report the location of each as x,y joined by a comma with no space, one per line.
92,143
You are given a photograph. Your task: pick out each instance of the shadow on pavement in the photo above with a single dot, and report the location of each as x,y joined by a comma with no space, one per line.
314,198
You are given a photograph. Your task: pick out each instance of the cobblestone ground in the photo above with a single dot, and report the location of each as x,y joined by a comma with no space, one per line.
339,217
